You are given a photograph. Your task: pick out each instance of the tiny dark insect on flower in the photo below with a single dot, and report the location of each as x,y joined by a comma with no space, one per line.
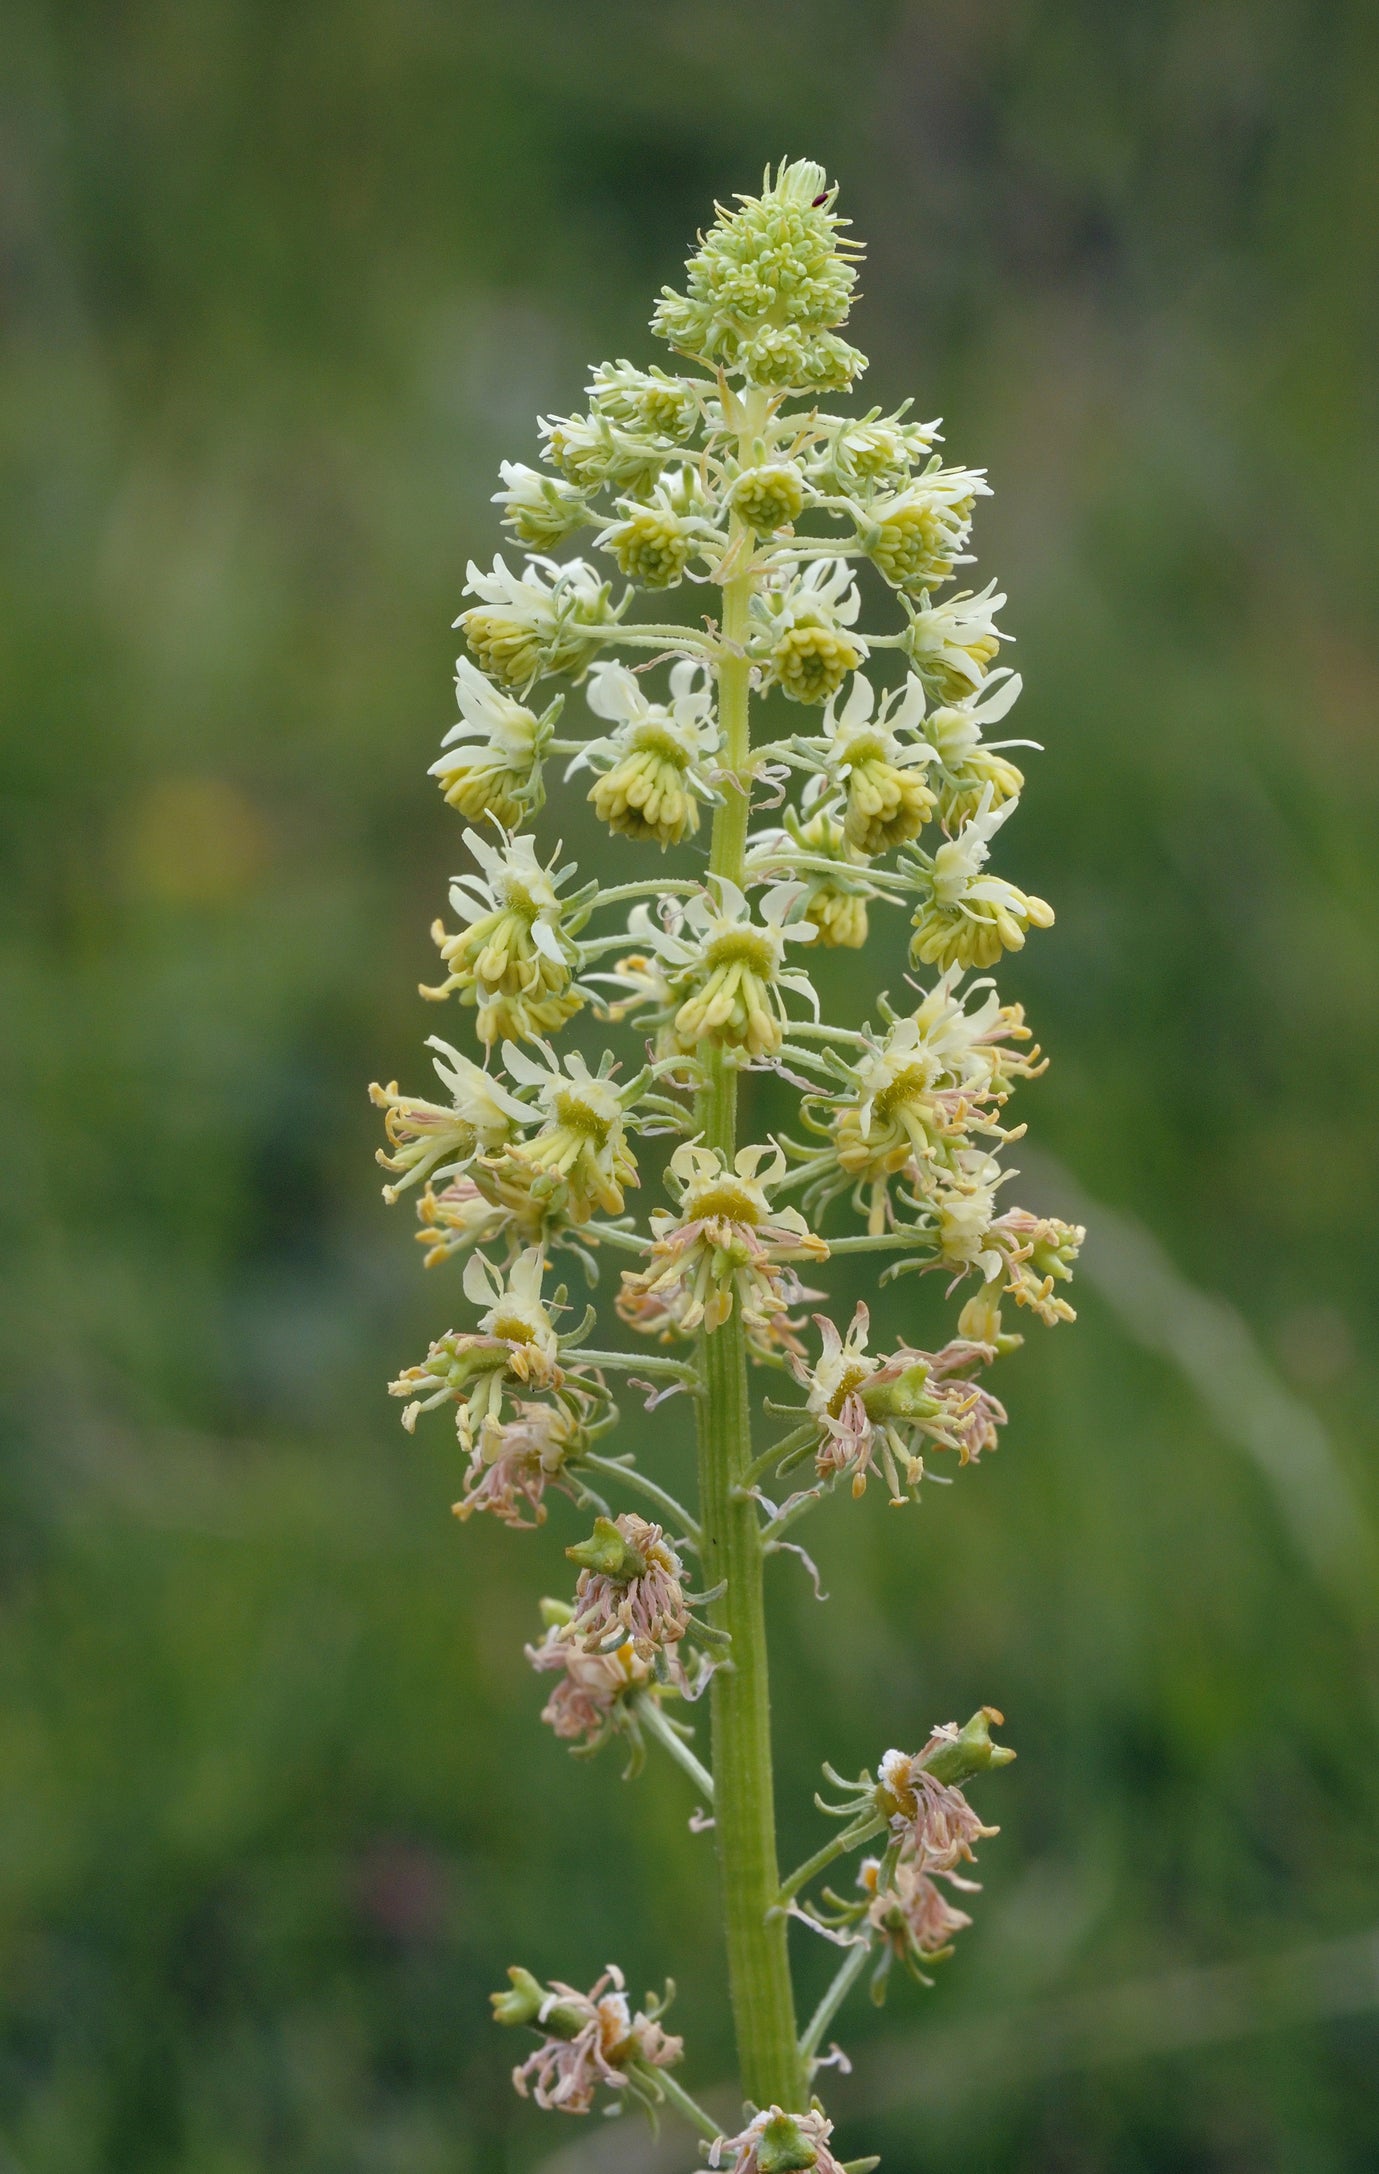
819,200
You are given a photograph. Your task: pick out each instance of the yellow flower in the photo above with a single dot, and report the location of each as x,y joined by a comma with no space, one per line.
656,766
800,631
965,918
880,765
725,1245
494,762
581,1152
515,956
431,1139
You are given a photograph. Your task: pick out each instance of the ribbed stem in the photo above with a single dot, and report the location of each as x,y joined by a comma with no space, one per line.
744,1808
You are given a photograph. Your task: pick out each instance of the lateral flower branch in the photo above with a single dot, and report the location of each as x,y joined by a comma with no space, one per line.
731,479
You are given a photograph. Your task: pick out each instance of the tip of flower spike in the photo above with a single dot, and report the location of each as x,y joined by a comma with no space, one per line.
606,1551
970,1751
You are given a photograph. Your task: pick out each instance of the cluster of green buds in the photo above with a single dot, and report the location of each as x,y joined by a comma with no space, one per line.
880,787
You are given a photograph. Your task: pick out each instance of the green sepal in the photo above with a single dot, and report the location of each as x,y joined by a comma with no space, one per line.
971,1751
608,1552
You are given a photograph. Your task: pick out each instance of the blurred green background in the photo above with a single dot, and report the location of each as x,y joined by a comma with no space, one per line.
281,285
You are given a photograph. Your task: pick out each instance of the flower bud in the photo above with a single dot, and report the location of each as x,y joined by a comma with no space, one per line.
539,509
651,546
768,498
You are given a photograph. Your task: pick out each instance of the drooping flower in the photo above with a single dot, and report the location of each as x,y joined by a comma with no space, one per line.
513,1462
592,2039
801,630
965,918
516,1343
431,1139
493,766
912,1918
774,2141
657,765
548,618
874,756
588,1702
515,957
727,1245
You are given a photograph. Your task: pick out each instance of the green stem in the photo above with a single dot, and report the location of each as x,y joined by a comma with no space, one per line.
658,2080
613,1469
851,1838
758,1959
608,1234
655,1723
849,1971
801,1438
893,1241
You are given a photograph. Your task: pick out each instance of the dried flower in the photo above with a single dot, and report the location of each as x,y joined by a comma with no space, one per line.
774,2142
512,1463
591,2040
588,1702
880,1410
631,1585
910,1915
933,1818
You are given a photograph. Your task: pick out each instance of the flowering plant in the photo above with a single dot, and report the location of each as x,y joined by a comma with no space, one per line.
730,474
